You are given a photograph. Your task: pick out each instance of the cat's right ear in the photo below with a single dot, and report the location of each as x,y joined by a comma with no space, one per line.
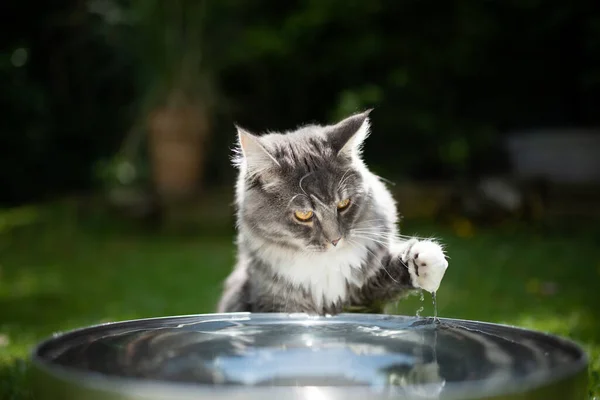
253,154
347,136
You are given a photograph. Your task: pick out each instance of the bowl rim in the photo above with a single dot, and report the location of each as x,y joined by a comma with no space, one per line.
142,388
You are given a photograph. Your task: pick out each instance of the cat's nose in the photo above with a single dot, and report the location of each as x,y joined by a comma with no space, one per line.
335,242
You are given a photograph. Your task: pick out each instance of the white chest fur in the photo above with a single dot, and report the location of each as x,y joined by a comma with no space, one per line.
324,274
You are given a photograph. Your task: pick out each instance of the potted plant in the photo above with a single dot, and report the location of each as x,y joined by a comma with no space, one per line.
175,84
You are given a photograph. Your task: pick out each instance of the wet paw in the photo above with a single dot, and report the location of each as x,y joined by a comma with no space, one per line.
426,264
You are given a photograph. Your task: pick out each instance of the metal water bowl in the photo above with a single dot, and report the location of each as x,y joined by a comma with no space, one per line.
296,356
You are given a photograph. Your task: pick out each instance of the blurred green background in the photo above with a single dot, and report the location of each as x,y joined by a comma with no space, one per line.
117,129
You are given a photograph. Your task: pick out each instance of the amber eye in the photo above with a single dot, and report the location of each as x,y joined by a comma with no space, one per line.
303,216
343,204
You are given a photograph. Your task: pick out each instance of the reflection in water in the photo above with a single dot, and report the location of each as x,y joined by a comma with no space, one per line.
414,356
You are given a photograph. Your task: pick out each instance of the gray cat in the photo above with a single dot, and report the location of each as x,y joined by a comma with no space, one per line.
317,230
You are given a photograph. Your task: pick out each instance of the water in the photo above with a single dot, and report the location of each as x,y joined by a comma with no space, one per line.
435,314
405,353
420,309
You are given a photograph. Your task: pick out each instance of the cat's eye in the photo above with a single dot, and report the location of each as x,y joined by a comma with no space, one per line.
342,205
303,216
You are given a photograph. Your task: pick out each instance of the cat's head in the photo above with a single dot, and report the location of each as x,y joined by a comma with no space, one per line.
303,190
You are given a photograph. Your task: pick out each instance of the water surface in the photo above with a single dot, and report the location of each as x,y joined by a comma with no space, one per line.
278,349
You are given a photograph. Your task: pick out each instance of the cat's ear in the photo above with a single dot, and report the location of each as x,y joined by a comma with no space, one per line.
347,136
252,153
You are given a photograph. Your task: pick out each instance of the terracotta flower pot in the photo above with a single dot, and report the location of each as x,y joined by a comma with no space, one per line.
176,144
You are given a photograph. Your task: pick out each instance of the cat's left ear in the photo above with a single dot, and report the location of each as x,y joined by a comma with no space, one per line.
254,154
347,136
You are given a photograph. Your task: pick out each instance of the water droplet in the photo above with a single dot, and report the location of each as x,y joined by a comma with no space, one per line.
420,310
435,315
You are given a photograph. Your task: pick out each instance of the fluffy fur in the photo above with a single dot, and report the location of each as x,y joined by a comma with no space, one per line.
287,265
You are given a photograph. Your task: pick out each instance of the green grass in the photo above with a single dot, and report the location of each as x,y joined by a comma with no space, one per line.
58,272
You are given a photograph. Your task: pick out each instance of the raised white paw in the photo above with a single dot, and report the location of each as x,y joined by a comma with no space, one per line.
426,264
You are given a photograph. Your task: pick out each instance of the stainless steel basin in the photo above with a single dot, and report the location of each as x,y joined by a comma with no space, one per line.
296,356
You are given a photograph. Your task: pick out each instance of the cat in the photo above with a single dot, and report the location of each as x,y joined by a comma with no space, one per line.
317,231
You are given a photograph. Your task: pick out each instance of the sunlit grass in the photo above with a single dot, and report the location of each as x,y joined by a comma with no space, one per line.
59,272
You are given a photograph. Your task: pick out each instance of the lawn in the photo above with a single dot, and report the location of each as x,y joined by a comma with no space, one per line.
59,271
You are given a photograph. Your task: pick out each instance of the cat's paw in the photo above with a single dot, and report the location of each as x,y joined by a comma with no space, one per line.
426,264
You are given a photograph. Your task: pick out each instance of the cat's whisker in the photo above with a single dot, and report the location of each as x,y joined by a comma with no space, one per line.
343,189
315,198
372,229
387,180
384,244
339,185
383,232
373,240
378,259
383,235
368,225
300,183
385,241
397,235
389,239
380,231
342,181
378,234
369,228
294,197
